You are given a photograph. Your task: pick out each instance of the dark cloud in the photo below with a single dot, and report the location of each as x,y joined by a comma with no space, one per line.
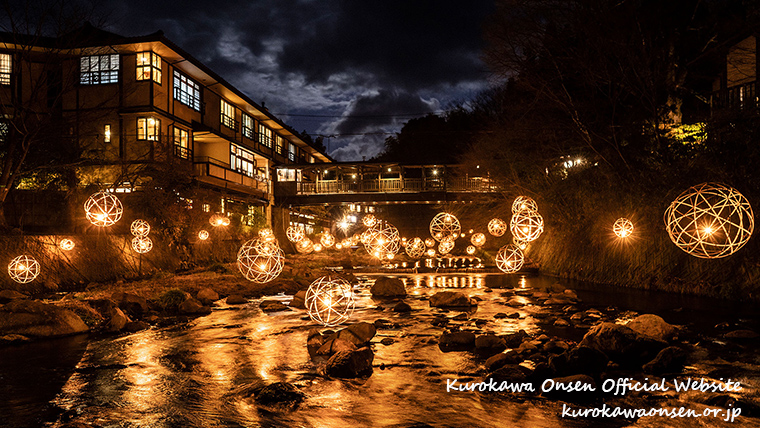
372,112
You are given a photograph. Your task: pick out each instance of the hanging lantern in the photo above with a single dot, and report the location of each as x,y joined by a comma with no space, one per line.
497,227
295,234
260,261
142,244
478,239
327,240
509,259
23,269
623,227
305,246
338,246
140,228
103,209
430,252
383,240
710,220
470,250
217,220
524,203
369,220
66,244
415,248
429,242
267,235
526,225
444,226
330,301
317,247
445,247
203,235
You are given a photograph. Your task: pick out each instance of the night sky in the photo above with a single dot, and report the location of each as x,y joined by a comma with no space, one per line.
354,70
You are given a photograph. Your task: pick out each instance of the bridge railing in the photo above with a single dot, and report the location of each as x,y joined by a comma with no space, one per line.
396,185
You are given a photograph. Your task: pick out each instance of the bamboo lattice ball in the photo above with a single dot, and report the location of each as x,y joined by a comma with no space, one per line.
478,239
526,225
497,227
369,220
317,247
415,248
23,269
509,259
66,244
623,227
139,227
327,240
260,261
445,247
524,203
330,301
710,220
103,209
295,234
470,249
203,235
430,252
429,242
383,240
142,244
305,246
339,246
217,220
267,235
445,226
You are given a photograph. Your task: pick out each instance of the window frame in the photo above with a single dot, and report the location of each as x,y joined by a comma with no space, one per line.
266,136
227,118
241,163
93,74
186,90
249,131
6,68
154,67
146,135
182,151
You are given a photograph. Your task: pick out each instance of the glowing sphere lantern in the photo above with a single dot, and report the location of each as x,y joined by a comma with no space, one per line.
330,301
369,220
23,269
305,246
445,247
142,244
470,249
497,227
327,240
478,239
66,244
445,226
509,259
103,209
623,227
526,225
415,248
203,235
217,220
429,242
260,261
295,234
338,246
523,245
430,252
267,235
383,240
139,228
524,203
710,220
317,247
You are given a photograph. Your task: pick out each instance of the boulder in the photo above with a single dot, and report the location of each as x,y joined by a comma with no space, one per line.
515,302
622,345
236,299
314,338
500,315
358,334
279,393
193,307
500,360
350,364
36,319
579,360
388,341
135,326
273,306
335,345
13,339
561,322
513,340
741,335
669,360
8,295
457,341
299,300
118,320
132,304
402,307
207,296
653,326
450,299
490,343
388,287
509,373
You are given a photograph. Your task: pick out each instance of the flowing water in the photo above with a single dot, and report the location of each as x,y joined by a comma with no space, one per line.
199,374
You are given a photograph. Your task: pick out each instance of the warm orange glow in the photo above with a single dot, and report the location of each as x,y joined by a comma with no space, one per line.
470,250
509,259
140,228
429,242
317,248
369,220
445,226
142,244
66,244
217,220
260,261
327,240
103,209
524,203
330,301
203,235
295,234
526,225
497,227
478,239
415,248
305,246
623,227
267,235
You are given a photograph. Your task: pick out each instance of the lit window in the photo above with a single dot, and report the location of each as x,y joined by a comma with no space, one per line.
5,69
248,126
107,134
148,128
149,66
228,115
265,136
187,91
98,69
281,144
292,152
206,208
242,160
181,143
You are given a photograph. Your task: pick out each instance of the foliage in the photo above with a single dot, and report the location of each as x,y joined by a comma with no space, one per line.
171,299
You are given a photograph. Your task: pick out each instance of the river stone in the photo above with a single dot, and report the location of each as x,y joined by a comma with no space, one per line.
358,334
513,340
12,339
490,343
207,296
273,306
669,360
314,339
118,320
561,322
509,373
135,326
402,307
299,300
236,299
279,393
622,345
132,304
388,287
192,306
741,335
579,360
8,295
335,345
457,341
653,326
500,360
515,302
500,315
350,364
450,299
36,319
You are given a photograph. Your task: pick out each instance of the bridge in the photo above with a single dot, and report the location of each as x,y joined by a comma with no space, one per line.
380,183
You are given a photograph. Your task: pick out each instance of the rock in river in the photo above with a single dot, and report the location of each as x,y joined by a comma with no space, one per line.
273,306
622,345
653,326
279,393
457,341
36,319
450,299
358,334
350,364
388,287
207,296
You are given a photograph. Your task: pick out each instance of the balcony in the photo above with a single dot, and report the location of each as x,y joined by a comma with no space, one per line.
182,152
736,97
216,172
396,185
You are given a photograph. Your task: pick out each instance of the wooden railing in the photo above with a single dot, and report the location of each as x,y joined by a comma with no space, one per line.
736,97
210,167
396,185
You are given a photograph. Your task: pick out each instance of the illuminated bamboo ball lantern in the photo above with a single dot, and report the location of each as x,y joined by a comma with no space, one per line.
470,249
305,246
526,225
478,239
430,252
23,269
203,235
445,226
317,247
710,220
338,246
415,248
103,209
139,228
497,227
66,244
267,235
509,259
524,203
369,220
295,234
330,301
217,220
142,244
366,236
260,261
429,242
383,240
623,227
445,247
327,240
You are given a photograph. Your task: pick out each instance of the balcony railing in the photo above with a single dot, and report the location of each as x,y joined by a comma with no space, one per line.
182,152
264,139
736,97
397,185
210,167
